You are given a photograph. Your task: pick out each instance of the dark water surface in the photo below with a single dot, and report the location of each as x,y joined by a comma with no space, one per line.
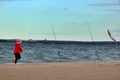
41,52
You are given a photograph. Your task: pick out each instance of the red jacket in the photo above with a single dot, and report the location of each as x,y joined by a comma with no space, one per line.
18,48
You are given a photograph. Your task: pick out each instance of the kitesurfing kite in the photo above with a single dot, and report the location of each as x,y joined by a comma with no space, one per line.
110,35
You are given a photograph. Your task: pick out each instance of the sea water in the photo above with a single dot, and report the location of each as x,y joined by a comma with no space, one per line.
40,52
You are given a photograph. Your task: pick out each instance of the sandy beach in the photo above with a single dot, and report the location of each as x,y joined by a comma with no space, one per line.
61,71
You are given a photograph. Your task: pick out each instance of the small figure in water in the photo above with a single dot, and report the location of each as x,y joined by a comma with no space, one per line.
17,50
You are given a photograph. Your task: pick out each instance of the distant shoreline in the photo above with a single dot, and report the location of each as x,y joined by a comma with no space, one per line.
62,42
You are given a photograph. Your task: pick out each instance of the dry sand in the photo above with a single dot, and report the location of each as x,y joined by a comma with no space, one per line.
61,71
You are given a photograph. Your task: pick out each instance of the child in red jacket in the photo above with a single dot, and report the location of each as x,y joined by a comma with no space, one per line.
17,50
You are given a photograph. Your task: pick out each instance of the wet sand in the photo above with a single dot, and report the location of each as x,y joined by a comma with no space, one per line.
61,71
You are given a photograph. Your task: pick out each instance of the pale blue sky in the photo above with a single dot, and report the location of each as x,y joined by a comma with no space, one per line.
29,19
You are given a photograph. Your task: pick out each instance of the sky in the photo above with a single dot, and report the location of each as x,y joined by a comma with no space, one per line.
66,19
